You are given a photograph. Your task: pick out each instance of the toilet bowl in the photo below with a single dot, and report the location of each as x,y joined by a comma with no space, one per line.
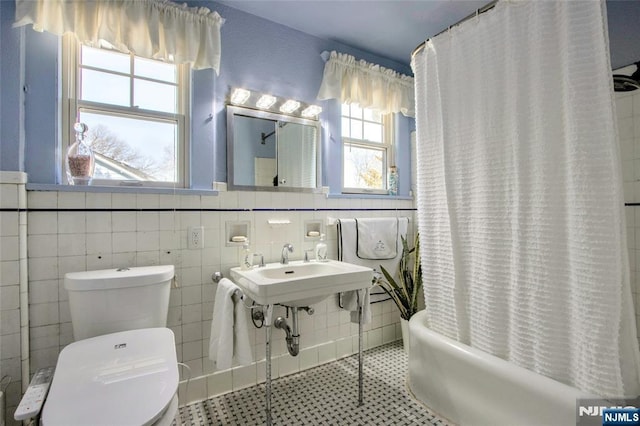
124,378
122,370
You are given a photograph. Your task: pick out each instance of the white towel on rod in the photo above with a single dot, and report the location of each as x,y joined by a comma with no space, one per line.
377,238
350,303
229,340
347,237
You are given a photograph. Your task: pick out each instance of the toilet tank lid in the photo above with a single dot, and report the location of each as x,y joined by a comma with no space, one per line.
118,278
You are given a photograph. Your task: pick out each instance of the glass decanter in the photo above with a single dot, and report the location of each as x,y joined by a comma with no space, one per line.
392,180
80,159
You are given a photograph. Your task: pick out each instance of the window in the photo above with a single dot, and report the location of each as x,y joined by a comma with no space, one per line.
367,149
135,110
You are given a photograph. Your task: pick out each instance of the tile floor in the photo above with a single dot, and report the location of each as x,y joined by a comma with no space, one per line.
325,395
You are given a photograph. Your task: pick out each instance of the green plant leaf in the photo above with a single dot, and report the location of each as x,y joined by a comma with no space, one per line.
406,290
394,290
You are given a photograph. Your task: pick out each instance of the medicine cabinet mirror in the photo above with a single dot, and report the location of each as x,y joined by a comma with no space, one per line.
272,152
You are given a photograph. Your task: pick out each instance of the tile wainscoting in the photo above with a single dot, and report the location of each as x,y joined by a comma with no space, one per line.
14,311
77,231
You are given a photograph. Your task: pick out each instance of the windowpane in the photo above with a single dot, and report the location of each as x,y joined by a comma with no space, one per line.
356,129
129,148
363,167
155,69
372,132
133,108
104,59
154,96
105,88
372,115
345,128
365,149
356,111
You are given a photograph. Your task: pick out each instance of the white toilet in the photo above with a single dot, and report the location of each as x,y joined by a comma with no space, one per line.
122,368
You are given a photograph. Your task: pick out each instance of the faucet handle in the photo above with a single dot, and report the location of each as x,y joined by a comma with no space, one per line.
306,254
261,265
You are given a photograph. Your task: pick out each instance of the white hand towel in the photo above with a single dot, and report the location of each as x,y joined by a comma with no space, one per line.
347,251
350,303
229,340
377,238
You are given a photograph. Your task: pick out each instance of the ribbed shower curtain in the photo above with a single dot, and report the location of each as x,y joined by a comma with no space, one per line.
520,201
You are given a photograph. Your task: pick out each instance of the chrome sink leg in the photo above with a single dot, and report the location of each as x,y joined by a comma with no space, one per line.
360,319
268,314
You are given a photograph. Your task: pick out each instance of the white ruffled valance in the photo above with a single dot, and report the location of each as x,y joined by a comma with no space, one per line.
154,29
369,85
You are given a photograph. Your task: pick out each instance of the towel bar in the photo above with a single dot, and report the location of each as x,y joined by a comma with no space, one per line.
217,276
245,299
257,316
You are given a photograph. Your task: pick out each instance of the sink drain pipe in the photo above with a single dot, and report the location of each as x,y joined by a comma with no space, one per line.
293,334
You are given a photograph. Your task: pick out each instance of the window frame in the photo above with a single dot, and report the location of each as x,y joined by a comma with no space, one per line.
387,146
71,105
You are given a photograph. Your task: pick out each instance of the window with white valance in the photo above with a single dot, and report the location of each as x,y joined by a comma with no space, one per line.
153,29
369,85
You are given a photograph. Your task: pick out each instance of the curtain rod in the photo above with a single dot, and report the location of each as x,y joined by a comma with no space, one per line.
483,9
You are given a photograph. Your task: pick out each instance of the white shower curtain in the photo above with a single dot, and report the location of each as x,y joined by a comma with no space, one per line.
520,194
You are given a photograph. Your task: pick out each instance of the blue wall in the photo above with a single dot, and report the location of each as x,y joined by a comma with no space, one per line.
256,54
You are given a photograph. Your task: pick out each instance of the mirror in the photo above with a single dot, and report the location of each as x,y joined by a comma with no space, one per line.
272,152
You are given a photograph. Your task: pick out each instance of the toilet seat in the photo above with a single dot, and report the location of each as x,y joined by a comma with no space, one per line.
125,378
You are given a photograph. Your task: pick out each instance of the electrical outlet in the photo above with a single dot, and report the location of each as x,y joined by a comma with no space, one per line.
196,237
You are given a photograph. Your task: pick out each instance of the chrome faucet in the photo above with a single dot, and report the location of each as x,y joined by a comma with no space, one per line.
286,249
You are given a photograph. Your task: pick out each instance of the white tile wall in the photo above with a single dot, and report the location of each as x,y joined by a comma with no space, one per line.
14,344
628,113
61,242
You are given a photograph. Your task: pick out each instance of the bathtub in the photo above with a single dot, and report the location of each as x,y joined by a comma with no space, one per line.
471,387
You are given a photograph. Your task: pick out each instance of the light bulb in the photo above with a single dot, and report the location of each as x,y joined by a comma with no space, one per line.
290,106
240,96
266,101
311,111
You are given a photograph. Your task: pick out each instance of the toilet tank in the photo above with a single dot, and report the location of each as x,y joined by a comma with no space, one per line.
113,300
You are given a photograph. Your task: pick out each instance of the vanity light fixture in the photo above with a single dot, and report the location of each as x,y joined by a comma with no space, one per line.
311,111
273,104
266,101
290,106
240,96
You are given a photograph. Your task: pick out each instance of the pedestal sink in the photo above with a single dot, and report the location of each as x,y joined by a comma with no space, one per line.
299,283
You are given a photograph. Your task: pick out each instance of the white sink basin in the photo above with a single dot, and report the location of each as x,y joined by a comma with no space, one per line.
300,283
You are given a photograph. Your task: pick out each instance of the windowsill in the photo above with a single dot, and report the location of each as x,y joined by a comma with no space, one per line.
122,189
374,196
182,191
